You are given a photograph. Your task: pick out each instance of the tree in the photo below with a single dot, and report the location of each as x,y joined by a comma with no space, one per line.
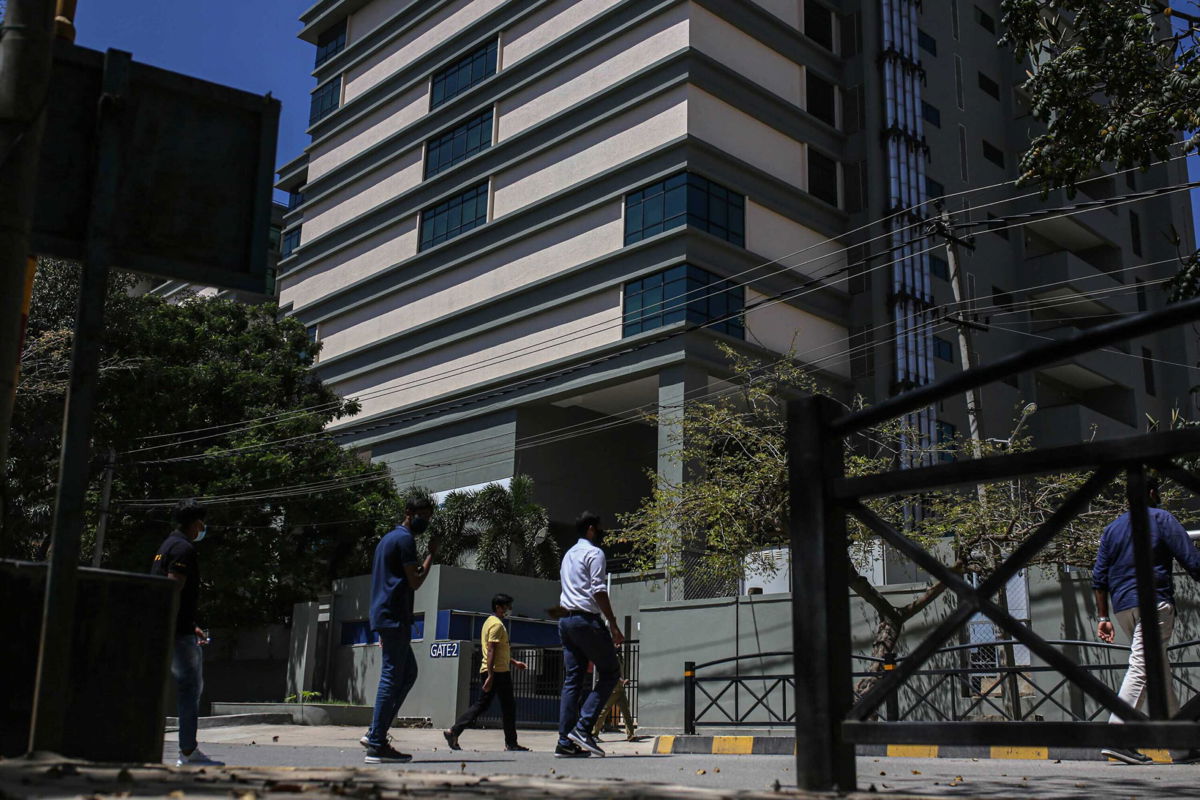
734,504
1114,81
206,366
498,529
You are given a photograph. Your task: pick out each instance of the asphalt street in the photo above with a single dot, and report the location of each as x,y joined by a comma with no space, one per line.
483,754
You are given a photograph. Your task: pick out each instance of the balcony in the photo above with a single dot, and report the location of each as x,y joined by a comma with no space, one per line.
1071,424
1079,232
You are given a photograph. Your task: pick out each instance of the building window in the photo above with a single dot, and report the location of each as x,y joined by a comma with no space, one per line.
1142,305
818,24
685,199
454,216
931,114
459,143
294,199
291,240
939,267
943,349
933,188
985,20
325,100
962,151
821,98
954,18
959,94
862,352
449,82
331,42
1148,370
1135,232
1131,180
683,293
926,42
993,154
822,177
988,85
945,433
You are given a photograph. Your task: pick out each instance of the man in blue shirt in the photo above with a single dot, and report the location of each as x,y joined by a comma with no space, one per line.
1115,576
395,577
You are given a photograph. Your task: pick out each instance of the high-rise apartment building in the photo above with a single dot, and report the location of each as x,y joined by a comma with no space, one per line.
522,225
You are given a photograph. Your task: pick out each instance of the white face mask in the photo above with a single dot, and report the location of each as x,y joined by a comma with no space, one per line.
200,536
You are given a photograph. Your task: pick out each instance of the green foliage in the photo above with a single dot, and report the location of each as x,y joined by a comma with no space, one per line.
199,364
497,529
1115,82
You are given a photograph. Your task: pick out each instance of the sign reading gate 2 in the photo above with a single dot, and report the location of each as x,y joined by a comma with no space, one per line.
443,650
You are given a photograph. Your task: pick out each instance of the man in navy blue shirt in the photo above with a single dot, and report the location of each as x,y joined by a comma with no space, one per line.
1114,575
395,576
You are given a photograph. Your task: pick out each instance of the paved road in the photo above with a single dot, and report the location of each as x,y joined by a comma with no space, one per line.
483,755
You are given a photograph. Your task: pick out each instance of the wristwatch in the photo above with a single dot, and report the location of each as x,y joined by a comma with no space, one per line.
1103,619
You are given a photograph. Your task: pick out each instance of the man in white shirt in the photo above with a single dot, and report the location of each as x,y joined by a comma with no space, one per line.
585,637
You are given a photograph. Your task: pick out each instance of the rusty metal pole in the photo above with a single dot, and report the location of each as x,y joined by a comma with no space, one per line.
25,64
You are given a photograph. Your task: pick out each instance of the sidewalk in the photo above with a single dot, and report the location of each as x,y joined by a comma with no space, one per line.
50,776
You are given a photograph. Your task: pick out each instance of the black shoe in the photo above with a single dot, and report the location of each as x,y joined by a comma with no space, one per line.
1190,757
1126,756
570,750
385,754
586,741
452,740
516,748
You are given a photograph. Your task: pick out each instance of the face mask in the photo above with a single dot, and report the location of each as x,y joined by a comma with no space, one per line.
200,536
418,525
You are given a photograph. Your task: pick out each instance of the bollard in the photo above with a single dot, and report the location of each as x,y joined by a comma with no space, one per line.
893,702
689,698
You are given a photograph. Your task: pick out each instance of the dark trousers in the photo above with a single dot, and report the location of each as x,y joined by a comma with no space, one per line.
584,639
502,687
395,680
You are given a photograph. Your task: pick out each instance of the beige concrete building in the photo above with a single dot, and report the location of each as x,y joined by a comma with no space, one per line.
521,224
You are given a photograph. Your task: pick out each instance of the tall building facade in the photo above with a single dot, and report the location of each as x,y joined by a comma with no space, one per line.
521,226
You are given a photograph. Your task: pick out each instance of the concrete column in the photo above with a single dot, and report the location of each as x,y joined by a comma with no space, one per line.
675,385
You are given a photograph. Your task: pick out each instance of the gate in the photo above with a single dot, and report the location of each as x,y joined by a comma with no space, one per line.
829,720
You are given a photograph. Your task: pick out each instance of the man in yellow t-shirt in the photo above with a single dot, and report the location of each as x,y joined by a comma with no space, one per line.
497,682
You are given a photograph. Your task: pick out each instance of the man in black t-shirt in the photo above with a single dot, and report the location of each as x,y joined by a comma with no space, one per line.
176,559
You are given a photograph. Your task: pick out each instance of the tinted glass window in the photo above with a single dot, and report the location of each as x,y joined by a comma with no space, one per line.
822,177
459,143
454,216
685,199
331,42
325,100
451,81
683,292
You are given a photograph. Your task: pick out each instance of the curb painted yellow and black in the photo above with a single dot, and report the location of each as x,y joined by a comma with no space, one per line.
786,746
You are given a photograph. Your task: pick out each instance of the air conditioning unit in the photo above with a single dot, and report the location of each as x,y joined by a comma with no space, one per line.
762,580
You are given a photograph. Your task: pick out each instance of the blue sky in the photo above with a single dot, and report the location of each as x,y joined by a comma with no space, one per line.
247,44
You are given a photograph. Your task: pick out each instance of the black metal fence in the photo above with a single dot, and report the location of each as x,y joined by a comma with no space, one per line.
538,689
829,720
955,688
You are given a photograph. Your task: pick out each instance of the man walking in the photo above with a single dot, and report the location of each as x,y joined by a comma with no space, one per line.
585,637
497,682
176,559
1115,576
395,577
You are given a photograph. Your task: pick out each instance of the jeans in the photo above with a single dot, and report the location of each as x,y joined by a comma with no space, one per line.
397,677
502,687
187,667
1133,688
584,639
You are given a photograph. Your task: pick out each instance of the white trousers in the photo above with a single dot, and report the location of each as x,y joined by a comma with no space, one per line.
1133,688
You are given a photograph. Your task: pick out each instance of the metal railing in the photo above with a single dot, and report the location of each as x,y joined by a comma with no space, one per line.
939,693
823,498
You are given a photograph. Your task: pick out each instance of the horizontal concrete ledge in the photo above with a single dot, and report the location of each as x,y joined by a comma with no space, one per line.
230,720
316,713
786,745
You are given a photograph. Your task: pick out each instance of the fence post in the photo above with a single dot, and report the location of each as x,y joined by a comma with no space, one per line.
820,598
689,698
893,702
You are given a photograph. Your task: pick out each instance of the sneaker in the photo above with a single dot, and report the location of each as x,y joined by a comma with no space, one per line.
586,741
1126,756
365,740
516,748
1190,757
452,740
570,750
197,758
385,754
